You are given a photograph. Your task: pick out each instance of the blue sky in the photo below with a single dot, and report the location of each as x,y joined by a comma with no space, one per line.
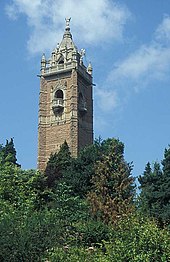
128,43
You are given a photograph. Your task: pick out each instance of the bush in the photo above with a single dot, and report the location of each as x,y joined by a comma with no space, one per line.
74,254
92,232
139,239
27,238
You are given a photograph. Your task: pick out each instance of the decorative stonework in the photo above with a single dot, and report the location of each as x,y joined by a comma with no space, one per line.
65,103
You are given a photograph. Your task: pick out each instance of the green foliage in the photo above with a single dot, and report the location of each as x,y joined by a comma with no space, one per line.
57,163
138,239
134,239
8,153
166,162
22,188
69,207
47,217
27,233
91,232
75,172
112,193
78,175
71,254
27,237
155,194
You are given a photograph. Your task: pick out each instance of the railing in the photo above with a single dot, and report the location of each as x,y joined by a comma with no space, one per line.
58,102
58,67
57,105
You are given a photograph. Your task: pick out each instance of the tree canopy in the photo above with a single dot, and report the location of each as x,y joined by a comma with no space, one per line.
83,209
8,153
155,190
112,193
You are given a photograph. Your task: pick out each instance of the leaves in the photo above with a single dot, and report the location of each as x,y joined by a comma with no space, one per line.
8,153
57,163
46,217
154,199
112,192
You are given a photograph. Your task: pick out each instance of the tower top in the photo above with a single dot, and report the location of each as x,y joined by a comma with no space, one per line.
68,23
67,33
67,42
65,56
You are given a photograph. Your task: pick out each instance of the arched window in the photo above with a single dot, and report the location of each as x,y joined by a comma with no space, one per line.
61,60
59,94
58,102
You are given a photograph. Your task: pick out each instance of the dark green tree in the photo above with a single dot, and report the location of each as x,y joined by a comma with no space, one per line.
57,164
165,187
166,162
8,153
154,198
149,188
78,175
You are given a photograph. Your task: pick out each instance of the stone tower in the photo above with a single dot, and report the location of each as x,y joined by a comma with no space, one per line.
65,101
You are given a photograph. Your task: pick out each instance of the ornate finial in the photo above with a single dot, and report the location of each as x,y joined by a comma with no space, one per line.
67,23
82,52
43,57
89,68
43,63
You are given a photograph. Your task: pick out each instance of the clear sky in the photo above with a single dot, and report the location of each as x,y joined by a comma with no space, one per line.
128,43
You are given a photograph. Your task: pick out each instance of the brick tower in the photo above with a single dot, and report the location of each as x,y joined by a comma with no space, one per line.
65,101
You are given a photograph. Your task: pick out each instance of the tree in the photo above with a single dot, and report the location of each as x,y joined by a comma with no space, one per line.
56,165
111,196
149,188
22,189
165,188
78,175
8,153
166,162
138,239
154,198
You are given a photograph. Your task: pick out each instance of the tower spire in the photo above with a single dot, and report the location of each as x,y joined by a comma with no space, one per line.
67,23
67,33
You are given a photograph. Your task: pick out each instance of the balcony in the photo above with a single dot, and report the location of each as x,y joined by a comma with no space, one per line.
57,105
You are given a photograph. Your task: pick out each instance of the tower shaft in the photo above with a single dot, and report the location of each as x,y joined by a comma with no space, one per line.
65,101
